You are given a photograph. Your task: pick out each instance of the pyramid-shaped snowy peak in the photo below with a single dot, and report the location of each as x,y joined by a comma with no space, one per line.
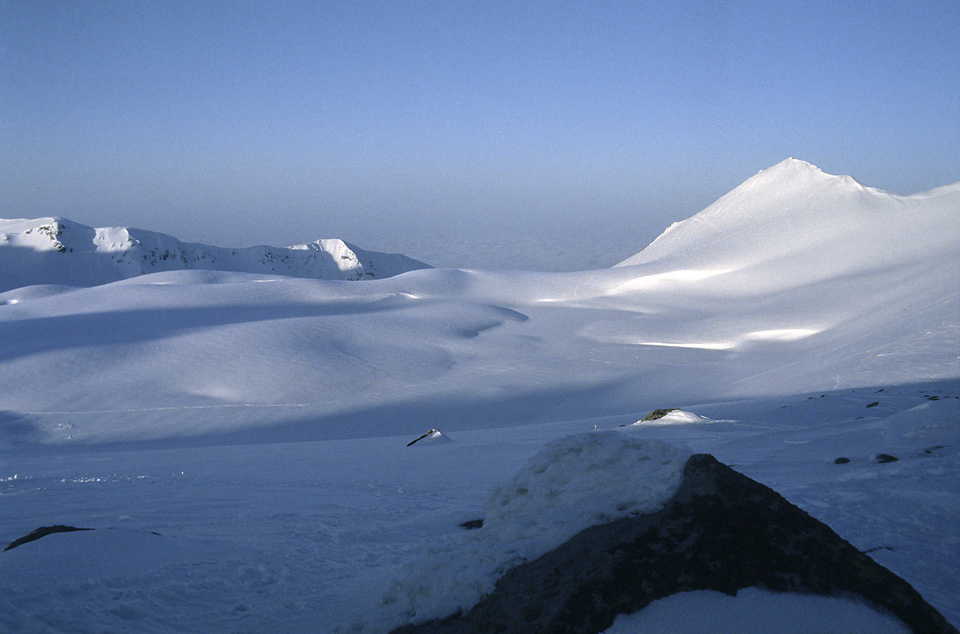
793,221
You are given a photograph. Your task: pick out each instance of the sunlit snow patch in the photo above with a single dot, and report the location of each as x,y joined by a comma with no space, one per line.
650,281
783,334
571,484
774,335
700,345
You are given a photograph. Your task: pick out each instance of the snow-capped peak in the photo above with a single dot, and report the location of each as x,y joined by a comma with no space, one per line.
795,222
56,250
796,173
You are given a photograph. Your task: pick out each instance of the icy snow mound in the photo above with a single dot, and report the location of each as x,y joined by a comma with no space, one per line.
582,480
60,251
571,484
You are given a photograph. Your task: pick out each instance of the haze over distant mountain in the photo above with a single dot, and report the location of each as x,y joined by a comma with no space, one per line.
62,252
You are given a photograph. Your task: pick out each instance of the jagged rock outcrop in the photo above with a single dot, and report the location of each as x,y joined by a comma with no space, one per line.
721,531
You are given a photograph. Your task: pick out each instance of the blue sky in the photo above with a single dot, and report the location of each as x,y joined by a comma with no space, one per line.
554,135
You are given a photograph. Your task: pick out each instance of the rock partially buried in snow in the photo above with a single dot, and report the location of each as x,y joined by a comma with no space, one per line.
572,483
721,531
671,416
432,437
657,414
43,531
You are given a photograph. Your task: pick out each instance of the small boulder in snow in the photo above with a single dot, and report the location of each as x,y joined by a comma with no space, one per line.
432,437
671,416
657,414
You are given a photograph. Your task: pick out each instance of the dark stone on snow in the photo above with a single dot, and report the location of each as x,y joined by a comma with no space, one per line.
721,531
657,414
421,437
873,404
43,531
841,460
883,458
472,524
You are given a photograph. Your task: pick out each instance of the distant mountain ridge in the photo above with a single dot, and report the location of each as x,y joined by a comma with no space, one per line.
63,252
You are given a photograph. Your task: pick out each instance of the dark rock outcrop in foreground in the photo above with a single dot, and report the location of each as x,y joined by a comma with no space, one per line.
43,531
722,531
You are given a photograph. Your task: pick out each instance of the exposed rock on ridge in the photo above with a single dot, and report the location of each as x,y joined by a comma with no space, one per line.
721,531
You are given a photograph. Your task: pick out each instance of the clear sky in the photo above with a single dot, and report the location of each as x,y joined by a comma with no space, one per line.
546,135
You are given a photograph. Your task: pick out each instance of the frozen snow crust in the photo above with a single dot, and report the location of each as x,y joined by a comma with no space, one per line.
572,483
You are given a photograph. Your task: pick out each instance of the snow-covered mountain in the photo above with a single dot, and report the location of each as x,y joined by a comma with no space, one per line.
804,324
798,224
62,252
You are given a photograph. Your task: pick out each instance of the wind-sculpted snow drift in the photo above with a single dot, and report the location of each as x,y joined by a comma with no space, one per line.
58,251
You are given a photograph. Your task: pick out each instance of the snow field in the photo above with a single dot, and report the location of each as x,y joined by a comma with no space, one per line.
258,423
313,536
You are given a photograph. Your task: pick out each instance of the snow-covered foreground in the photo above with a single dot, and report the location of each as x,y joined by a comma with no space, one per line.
239,441
311,536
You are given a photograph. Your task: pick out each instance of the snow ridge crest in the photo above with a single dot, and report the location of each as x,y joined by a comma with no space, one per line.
56,250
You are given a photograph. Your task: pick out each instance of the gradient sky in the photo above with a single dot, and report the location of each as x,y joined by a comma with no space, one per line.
545,135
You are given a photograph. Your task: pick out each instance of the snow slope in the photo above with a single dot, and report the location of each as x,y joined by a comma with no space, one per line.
799,319
798,281
62,252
